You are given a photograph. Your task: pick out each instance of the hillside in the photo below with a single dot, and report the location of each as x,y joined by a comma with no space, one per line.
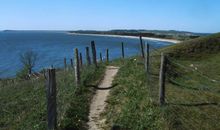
200,46
192,89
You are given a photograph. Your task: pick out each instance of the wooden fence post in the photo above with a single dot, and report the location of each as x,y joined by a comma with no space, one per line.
142,47
94,53
71,62
107,55
65,64
148,58
162,79
88,59
100,54
51,99
122,50
81,60
76,67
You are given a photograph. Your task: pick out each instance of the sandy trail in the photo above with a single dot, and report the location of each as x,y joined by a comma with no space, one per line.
98,102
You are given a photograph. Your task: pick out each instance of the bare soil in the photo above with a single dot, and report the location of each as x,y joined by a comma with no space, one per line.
98,102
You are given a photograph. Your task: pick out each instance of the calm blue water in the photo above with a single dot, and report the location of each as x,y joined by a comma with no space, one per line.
52,47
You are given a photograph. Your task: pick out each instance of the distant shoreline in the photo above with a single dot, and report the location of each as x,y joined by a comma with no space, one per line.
134,37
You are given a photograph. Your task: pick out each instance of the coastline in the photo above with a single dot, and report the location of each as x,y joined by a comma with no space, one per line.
134,37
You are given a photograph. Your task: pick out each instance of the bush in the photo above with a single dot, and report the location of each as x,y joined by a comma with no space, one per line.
23,73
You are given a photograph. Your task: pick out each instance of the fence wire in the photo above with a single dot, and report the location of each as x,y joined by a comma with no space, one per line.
188,89
179,76
153,73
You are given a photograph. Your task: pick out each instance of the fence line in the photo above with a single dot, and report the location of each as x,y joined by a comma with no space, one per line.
201,87
146,53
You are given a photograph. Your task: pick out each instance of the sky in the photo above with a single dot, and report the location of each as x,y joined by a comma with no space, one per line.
186,15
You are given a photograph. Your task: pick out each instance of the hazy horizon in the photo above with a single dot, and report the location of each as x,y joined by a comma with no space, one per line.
108,30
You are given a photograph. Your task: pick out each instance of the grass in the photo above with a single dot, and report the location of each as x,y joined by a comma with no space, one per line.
193,103
198,47
192,90
129,106
23,103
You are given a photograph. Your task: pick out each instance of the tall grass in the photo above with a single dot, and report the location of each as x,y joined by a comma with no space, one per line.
23,103
129,105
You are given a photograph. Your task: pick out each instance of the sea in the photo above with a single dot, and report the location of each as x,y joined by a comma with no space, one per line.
52,47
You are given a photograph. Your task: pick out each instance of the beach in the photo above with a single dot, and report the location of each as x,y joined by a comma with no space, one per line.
134,37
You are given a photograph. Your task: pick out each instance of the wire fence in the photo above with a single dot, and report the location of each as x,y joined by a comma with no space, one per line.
187,90
178,75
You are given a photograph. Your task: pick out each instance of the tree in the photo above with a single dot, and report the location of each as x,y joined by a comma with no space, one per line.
28,59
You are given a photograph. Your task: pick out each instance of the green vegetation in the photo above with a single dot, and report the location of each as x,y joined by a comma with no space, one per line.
192,89
22,73
129,105
192,93
28,60
23,103
200,47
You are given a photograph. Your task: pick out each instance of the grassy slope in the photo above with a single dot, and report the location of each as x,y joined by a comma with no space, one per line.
192,100
23,103
199,47
198,91
130,106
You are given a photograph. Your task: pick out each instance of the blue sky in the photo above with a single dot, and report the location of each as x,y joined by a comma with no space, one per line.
188,15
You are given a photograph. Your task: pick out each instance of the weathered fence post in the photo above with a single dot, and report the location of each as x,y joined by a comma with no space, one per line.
162,79
51,99
65,64
122,50
100,54
148,58
81,60
107,56
71,62
88,59
142,47
94,53
76,67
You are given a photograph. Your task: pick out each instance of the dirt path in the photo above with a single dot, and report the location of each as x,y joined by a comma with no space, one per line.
98,102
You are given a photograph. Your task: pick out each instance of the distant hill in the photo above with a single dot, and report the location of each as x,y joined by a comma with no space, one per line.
7,30
167,34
